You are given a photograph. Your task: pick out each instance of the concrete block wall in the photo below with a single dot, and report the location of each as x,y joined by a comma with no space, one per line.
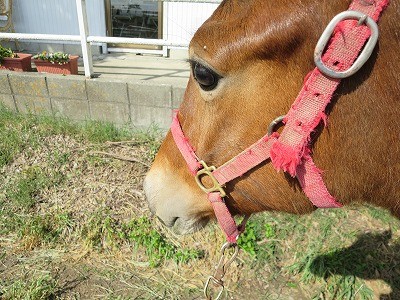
139,104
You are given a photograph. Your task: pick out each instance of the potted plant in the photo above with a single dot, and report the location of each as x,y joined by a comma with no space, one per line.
57,63
10,60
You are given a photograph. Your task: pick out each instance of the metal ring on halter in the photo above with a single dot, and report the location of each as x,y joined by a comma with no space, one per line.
274,123
364,55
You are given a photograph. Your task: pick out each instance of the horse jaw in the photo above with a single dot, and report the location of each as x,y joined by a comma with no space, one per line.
173,201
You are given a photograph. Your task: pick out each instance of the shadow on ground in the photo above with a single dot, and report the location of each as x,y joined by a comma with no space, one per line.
374,256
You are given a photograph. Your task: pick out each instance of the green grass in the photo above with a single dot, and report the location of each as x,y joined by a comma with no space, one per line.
100,231
25,191
37,287
19,132
331,254
141,233
322,259
11,141
103,232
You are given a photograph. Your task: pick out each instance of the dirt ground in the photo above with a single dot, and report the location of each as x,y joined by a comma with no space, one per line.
104,181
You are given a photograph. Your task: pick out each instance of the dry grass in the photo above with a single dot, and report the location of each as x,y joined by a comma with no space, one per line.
67,199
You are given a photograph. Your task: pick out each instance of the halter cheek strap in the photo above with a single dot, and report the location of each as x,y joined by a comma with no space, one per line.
290,151
216,193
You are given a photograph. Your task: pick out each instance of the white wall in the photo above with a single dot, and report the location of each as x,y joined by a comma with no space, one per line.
60,17
183,19
56,16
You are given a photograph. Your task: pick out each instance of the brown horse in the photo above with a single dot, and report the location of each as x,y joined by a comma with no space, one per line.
248,63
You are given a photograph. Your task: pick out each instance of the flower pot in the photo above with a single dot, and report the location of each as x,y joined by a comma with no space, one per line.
19,64
70,67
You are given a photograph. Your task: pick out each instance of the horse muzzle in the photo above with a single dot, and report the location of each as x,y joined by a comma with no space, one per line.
174,202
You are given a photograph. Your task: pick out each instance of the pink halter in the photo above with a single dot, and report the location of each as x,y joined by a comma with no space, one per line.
289,151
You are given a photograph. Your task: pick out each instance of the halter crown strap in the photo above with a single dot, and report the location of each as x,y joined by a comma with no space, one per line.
308,110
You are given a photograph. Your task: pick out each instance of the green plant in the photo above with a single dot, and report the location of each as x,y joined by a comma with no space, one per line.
54,58
7,52
100,132
141,233
25,192
104,232
248,240
37,288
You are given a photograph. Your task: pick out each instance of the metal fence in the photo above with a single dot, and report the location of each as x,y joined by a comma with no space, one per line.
170,38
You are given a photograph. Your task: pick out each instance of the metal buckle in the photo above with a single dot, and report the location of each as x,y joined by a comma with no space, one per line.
207,171
364,55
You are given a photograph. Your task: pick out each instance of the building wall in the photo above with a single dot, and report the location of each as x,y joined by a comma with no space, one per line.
56,16
181,20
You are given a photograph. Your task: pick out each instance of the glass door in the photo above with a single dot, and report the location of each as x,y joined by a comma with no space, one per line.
134,19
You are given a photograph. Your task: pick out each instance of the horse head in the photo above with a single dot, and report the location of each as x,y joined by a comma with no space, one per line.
248,61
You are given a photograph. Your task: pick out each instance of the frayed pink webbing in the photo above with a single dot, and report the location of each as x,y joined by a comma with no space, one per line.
308,109
313,186
224,218
248,159
184,147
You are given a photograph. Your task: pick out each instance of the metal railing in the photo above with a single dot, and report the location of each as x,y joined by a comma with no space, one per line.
85,39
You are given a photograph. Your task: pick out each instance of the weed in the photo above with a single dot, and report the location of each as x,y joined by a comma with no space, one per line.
10,144
346,288
259,239
35,230
25,192
36,288
248,240
38,230
152,139
383,215
100,132
142,233
11,141
42,126
26,188
104,232
101,231
18,132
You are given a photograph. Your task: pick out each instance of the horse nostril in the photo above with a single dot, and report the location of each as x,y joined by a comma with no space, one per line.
170,223
174,221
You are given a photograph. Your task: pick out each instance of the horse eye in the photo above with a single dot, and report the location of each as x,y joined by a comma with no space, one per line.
206,78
